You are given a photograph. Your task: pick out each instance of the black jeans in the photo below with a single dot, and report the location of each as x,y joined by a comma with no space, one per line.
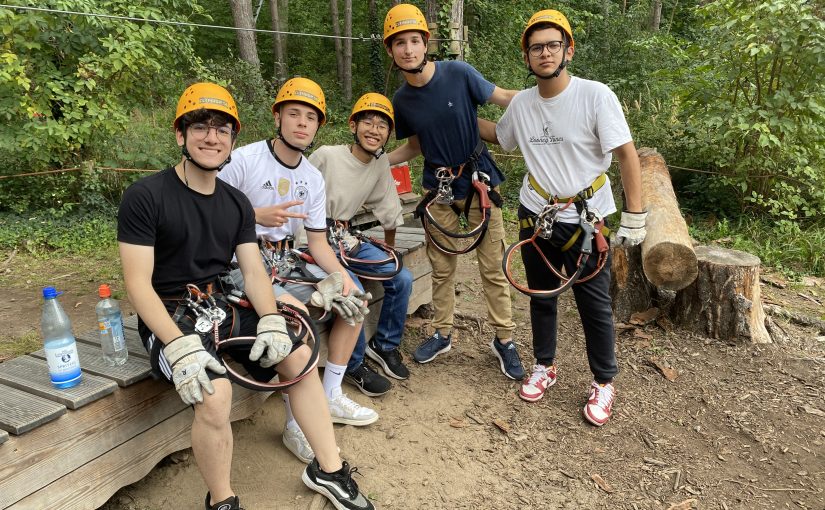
592,298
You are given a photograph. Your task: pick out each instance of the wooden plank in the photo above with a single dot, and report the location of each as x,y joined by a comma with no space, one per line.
49,452
4,436
92,484
134,370
23,411
32,376
131,322
133,343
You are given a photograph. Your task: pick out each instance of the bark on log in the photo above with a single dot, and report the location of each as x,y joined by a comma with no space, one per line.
724,301
630,290
668,258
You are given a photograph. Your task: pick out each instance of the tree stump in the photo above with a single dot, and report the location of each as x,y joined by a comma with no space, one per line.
724,301
630,290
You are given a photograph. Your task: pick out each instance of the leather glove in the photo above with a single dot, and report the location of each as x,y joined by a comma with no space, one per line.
189,361
632,229
354,304
329,296
272,341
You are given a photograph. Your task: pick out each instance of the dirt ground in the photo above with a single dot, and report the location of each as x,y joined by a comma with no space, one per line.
738,427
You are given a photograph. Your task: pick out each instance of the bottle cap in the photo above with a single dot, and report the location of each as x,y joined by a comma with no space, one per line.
104,291
50,293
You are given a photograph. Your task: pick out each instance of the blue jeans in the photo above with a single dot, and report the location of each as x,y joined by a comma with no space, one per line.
390,328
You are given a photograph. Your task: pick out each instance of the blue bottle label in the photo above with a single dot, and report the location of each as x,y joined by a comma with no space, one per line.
64,363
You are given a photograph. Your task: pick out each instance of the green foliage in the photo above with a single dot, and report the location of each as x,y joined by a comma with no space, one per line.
754,104
70,232
67,79
784,245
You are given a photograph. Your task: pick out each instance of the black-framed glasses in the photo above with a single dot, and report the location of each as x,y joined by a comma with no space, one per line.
552,46
380,125
199,131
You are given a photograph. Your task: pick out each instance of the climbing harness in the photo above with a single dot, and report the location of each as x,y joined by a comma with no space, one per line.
208,317
346,243
591,230
285,263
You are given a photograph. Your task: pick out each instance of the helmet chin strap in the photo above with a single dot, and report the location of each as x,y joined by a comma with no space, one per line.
377,154
293,147
417,70
550,76
189,157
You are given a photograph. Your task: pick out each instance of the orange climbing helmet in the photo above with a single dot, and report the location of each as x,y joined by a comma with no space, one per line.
374,102
303,90
548,16
403,18
209,96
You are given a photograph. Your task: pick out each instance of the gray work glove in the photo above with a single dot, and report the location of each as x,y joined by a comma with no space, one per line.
329,296
361,301
189,361
272,341
632,229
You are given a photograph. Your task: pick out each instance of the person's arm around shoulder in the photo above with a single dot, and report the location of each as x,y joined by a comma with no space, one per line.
632,228
502,97
405,152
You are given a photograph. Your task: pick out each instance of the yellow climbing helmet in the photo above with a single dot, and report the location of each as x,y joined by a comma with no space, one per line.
303,90
403,18
548,16
209,96
374,102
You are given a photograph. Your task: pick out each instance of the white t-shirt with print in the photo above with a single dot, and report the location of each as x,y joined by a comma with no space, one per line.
566,142
266,181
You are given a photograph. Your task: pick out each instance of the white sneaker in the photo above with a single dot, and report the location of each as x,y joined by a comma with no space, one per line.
296,442
599,406
347,411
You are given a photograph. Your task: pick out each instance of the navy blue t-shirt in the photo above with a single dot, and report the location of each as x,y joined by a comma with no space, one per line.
443,113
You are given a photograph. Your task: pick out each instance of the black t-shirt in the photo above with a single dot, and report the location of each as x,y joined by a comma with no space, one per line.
194,235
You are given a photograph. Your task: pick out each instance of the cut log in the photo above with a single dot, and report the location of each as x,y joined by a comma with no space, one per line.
630,290
724,301
668,258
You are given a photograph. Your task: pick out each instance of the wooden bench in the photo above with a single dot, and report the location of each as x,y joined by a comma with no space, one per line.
73,449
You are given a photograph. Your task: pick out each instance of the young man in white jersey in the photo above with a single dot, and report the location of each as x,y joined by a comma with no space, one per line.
436,109
271,172
568,129
180,227
358,175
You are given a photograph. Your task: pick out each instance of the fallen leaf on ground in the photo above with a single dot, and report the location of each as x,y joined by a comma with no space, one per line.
644,318
684,505
623,326
813,410
78,304
669,373
601,483
457,424
638,333
502,426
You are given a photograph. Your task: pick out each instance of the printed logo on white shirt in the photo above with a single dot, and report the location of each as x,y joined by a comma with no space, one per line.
546,137
268,186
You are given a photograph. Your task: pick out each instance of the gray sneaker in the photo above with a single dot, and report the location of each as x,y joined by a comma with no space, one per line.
432,347
296,442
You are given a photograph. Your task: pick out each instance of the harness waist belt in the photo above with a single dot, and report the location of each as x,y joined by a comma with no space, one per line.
588,192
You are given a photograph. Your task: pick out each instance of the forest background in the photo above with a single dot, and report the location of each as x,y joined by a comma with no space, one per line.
729,91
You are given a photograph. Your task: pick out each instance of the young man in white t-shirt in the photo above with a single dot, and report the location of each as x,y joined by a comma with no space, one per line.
358,175
274,174
568,129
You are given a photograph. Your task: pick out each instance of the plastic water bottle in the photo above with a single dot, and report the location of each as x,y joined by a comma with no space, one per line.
61,349
110,323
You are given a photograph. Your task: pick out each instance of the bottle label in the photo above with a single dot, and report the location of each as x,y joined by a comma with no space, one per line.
64,363
115,328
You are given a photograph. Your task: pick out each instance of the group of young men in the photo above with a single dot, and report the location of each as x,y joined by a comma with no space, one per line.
181,231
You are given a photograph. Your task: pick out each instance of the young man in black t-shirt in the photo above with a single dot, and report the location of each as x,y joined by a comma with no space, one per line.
182,226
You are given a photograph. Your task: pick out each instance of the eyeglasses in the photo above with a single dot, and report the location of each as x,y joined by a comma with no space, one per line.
199,131
552,46
380,125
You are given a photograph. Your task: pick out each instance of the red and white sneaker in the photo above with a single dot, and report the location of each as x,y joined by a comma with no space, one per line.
600,404
533,388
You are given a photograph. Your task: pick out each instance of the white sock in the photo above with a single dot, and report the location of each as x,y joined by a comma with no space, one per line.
290,419
333,377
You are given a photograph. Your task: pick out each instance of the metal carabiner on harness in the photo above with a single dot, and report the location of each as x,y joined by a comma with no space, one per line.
208,315
545,220
444,194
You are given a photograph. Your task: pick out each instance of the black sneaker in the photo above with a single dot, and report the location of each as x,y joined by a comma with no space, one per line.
230,503
508,359
370,382
338,487
390,360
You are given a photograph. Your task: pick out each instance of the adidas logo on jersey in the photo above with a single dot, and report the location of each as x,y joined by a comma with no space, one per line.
268,186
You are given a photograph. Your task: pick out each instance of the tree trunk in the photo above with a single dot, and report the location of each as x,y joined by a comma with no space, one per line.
456,47
242,16
436,32
668,258
281,71
347,78
336,31
724,302
656,15
629,289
